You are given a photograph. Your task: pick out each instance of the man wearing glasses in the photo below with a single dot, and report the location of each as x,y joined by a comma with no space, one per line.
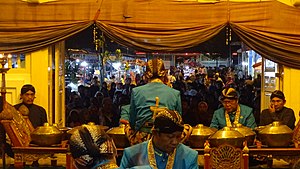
232,112
277,111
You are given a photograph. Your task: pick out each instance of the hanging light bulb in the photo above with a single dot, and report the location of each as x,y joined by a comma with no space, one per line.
226,41
96,39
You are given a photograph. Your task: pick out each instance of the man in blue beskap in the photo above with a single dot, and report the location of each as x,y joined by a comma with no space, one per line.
163,150
140,119
232,112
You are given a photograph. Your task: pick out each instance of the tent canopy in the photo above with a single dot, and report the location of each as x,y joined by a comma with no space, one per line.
271,28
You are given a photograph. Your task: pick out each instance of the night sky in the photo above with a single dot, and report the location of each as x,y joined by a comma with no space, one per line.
84,40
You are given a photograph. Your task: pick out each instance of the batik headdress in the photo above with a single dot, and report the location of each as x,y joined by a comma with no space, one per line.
155,68
168,121
26,88
90,144
229,93
277,93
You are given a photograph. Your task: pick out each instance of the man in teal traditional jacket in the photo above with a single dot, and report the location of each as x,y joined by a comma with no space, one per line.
232,112
143,97
163,150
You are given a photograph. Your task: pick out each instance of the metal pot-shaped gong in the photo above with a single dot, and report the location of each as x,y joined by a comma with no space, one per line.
46,135
247,132
199,135
226,136
276,135
119,137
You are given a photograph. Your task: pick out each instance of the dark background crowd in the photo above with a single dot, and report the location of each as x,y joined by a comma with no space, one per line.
200,91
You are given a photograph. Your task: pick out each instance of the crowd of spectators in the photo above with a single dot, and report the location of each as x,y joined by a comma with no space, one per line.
200,91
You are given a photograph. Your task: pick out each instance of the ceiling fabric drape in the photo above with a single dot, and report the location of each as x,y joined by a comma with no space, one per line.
157,25
28,27
16,40
269,27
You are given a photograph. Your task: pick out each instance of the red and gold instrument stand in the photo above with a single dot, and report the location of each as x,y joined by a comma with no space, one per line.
25,154
30,154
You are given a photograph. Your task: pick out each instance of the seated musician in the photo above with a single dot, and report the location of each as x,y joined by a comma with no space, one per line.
232,112
164,149
277,111
37,114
